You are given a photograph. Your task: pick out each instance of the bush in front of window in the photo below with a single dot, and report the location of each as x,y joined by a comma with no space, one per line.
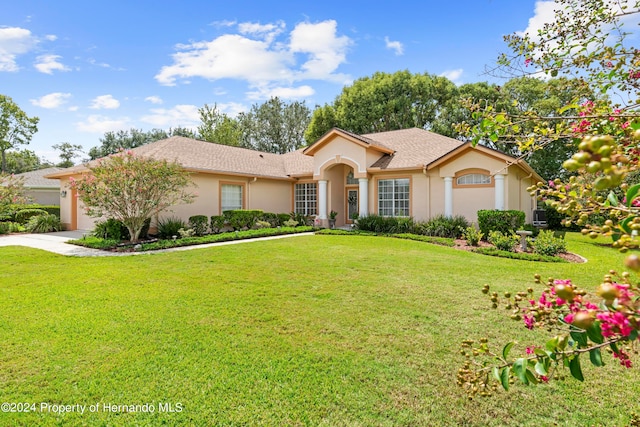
242,219
503,221
386,224
444,226
199,224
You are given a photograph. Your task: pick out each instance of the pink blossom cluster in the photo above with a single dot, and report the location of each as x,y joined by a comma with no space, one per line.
623,357
634,74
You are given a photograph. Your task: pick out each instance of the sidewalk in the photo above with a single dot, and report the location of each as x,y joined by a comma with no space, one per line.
55,242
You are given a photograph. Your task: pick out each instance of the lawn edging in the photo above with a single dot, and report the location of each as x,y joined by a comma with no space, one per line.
114,246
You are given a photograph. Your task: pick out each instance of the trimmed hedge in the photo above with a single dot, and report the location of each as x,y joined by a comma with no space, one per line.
199,224
12,210
503,221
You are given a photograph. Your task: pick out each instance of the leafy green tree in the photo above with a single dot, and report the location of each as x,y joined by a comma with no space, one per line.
274,126
68,152
322,119
112,142
20,161
216,126
585,39
132,189
16,128
385,102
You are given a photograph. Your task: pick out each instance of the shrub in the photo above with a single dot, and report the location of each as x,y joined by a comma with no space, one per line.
473,236
24,215
302,219
189,232
199,224
443,226
44,223
291,223
241,219
262,224
385,224
4,227
12,210
282,218
217,223
503,221
169,227
112,229
502,241
547,244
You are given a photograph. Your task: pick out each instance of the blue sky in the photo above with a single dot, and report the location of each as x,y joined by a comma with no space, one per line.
85,68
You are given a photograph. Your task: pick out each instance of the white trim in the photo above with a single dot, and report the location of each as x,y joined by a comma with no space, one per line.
363,185
322,199
499,184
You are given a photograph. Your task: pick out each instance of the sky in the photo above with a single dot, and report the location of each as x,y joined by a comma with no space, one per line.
89,67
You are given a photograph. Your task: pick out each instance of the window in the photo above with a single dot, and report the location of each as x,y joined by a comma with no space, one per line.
474,179
393,197
306,198
231,197
351,180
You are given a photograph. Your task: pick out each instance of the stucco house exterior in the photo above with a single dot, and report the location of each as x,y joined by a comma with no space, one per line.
41,190
410,172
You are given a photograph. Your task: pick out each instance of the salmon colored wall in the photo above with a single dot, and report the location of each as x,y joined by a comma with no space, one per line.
349,153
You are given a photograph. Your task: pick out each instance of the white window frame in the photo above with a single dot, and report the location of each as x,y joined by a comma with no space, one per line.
305,198
473,179
394,197
225,195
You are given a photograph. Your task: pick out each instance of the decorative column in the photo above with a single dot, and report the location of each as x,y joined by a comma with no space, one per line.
448,196
322,199
363,209
499,181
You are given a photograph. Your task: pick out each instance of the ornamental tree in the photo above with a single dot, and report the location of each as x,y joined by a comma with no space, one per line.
132,188
586,40
11,192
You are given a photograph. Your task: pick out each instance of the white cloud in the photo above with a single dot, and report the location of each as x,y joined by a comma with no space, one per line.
52,100
48,63
14,41
282,92
154,99
326,50
180,115
543,13
106,102
223,23
101,124
232,108
268,32
51,37
257,58
395,46
453,75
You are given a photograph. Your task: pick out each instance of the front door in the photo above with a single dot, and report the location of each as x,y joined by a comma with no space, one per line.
352,204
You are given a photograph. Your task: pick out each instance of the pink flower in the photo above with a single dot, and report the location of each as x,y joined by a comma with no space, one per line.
568,318
625,125
544,378
552,184
528,62
623,357
530,350
528,321
614,323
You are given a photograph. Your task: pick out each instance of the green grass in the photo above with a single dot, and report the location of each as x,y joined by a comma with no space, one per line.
312,330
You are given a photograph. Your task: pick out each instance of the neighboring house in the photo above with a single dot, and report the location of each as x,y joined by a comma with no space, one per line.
410,172
41,190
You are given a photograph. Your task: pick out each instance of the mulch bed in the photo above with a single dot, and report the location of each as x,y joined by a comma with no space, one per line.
462,245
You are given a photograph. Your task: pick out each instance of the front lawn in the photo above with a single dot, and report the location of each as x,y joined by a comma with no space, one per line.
316,330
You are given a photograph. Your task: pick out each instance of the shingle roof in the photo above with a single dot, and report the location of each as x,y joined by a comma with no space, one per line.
413,147
210,157
36,178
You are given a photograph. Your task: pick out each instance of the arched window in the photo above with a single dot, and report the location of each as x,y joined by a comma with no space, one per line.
474,179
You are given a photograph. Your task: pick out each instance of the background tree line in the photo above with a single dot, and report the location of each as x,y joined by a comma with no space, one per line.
377,103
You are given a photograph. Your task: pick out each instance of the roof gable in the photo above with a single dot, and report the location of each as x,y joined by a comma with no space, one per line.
360,140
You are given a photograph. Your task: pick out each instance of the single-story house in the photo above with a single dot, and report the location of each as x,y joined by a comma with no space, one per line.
41,190
410,172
